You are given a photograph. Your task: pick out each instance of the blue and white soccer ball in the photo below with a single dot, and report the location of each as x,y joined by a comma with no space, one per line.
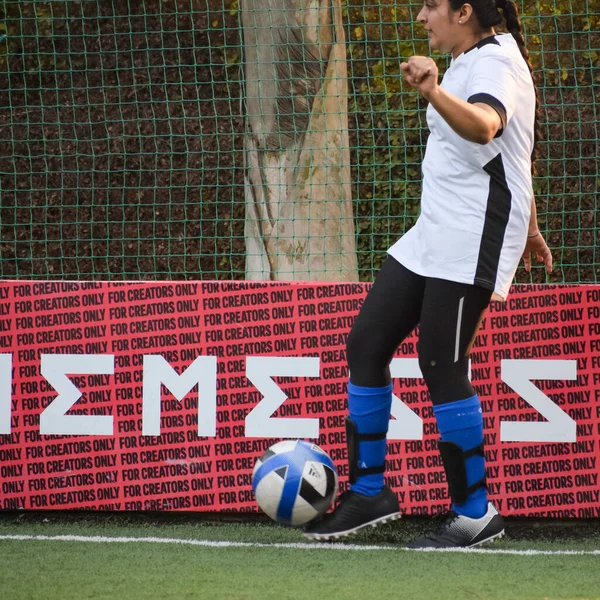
295,482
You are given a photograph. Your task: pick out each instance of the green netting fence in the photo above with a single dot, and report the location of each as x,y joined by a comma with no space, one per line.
122,136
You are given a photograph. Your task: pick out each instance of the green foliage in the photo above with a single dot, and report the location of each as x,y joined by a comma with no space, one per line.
123,145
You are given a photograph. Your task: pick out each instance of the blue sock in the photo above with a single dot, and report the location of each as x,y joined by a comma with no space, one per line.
462,423
369,408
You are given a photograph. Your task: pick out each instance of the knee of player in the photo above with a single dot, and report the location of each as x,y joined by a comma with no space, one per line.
428,365
358,343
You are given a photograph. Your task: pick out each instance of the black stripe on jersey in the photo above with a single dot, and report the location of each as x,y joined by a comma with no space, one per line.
495,104
484,42
494,227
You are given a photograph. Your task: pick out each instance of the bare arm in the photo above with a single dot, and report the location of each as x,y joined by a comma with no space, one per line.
535,243
533,224
476,122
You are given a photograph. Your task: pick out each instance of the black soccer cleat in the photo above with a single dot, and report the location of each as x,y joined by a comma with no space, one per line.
353,512
459,531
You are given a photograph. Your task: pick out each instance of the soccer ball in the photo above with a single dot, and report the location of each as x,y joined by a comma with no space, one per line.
294,482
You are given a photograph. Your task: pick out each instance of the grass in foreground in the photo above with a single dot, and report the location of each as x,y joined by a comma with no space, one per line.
55,570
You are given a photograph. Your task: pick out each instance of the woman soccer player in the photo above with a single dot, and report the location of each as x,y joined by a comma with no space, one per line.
477,220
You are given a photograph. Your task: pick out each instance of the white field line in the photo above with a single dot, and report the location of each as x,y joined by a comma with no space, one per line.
297,546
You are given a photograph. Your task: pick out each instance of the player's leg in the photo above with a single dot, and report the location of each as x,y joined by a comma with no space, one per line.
390,312
451,316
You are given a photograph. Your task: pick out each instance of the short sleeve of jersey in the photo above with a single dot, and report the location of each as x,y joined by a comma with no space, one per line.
492,80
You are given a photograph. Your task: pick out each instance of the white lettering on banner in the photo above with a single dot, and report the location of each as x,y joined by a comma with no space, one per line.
407,424
5,381
518,374
202,372
559,427
54,367
259,370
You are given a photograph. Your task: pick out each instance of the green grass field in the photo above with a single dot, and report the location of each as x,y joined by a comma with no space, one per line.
117,557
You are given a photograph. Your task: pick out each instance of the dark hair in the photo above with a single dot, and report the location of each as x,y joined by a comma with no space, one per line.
488,15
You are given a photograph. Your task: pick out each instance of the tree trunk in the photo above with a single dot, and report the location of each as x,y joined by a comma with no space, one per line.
299,218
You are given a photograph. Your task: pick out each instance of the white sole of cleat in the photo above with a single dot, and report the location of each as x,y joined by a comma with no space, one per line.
325,537
497,536
488,540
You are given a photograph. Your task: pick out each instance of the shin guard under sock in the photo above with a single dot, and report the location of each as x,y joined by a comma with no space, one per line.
369,410
461,422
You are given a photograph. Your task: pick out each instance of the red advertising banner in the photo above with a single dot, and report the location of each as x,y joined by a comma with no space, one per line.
160,396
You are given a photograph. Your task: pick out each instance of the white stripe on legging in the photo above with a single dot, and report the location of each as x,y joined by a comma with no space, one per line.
458,324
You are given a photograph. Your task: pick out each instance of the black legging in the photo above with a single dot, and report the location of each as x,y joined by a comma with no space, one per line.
448,315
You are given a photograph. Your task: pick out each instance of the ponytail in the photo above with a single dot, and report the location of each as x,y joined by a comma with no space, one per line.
488,15
513,25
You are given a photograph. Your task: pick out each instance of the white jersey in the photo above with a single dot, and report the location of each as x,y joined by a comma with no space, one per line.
476,199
